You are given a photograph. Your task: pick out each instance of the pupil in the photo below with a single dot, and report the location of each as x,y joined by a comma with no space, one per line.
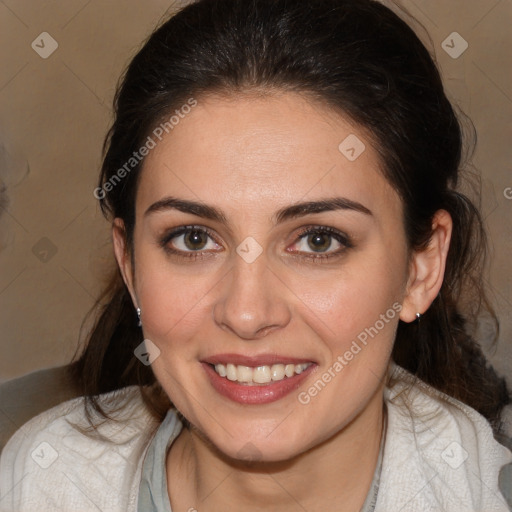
319,241
195,239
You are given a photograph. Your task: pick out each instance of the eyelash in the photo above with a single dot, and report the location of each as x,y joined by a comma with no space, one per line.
340,237
191,256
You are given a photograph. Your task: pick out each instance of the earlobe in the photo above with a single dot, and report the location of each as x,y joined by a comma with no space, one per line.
122,255
427,269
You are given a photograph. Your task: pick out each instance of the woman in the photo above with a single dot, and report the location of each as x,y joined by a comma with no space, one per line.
282,182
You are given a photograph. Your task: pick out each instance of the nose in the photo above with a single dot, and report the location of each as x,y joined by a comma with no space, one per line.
252,300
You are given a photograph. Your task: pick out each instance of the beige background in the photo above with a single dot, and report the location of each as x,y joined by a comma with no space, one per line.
54,113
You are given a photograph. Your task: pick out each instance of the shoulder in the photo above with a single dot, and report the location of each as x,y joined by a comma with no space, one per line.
85,469
440,452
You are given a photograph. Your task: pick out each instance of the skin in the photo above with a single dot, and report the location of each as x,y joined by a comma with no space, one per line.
251,156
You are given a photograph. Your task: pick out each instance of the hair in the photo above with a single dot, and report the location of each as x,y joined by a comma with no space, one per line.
362,60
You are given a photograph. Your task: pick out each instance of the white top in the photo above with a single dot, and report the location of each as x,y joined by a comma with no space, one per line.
440,455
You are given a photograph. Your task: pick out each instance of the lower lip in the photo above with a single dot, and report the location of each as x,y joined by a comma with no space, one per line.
257,394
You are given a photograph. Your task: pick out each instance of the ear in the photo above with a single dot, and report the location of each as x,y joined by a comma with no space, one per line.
426,271
123,256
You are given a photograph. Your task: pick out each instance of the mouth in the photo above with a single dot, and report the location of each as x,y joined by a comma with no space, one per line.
260,375
256,380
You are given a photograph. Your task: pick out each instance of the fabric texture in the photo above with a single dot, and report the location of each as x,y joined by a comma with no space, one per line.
440,455
24,398
153,495
50,465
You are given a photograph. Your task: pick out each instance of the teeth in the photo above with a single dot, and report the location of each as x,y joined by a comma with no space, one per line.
277,372
244,374
260,374
231,372
221,370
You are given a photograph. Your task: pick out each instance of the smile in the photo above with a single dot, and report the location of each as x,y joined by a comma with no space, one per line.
258,379
260,374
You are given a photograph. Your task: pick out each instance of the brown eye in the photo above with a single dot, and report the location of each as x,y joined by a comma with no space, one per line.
195,240
319,242
188,240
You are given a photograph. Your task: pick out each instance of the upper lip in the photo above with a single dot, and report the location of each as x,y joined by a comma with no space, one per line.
254,361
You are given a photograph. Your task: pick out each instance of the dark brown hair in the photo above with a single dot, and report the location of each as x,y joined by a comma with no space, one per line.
362,60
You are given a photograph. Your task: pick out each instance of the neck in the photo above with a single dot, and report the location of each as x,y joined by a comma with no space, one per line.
335,474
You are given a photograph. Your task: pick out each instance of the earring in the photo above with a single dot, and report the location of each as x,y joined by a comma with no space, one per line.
418,317
138,315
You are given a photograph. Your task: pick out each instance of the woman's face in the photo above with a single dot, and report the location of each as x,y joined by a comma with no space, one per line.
288,250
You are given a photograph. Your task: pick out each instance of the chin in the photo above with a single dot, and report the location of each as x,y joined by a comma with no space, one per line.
261,449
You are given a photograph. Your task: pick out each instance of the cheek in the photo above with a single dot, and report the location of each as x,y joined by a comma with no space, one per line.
174,309
344,307
173,303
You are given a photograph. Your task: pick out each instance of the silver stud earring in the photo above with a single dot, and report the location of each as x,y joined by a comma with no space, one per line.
138,315
418,317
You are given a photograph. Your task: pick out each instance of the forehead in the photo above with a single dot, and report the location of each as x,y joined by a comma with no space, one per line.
264,152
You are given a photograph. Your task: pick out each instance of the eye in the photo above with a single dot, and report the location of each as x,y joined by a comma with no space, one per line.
189,239
321,242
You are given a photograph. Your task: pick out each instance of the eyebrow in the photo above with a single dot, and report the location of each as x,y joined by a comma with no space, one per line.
289,212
